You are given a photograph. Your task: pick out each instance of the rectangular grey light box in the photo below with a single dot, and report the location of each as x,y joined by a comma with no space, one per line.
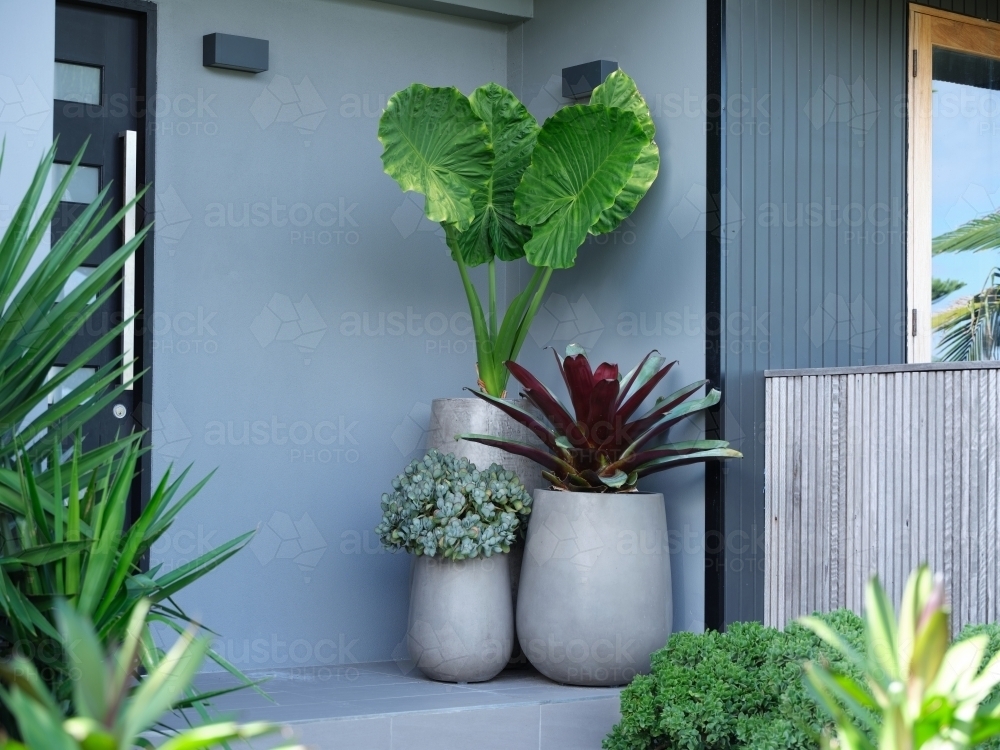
579,81
235,52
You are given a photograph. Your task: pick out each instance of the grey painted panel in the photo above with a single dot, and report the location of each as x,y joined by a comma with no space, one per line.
27,76
918,489
498,11
305,317
814,212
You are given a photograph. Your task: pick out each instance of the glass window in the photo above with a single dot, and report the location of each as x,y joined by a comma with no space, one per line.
78,83
83,187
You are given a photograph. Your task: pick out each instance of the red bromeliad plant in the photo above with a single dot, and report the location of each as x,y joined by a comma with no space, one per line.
604,448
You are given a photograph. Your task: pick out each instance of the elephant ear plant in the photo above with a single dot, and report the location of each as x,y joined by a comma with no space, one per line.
601,446
504,188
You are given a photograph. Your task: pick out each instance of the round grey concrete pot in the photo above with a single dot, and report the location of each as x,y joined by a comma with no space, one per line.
595,596
461,625
458,416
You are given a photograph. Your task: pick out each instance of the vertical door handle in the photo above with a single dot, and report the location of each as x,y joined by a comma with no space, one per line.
128,272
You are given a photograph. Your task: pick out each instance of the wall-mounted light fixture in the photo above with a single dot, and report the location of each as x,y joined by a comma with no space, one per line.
234,52
580,81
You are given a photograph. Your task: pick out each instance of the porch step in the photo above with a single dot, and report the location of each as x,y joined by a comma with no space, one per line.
391,706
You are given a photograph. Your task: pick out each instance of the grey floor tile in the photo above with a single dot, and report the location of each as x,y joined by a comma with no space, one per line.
508,728
372,733
557,693
580,725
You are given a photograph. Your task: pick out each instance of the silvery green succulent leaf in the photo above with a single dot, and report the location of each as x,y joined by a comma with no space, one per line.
512,134
582,161
443,505
435,144
619,90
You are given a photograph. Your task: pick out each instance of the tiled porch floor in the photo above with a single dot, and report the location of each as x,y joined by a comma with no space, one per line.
391,706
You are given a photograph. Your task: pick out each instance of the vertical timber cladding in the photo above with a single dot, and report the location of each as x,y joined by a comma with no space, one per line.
812,222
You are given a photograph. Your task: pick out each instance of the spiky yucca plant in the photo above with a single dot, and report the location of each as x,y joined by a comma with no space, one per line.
113,710
920,690
63,532
600,447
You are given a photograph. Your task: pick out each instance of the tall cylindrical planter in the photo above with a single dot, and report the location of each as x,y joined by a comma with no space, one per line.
595,596
458,416
461,624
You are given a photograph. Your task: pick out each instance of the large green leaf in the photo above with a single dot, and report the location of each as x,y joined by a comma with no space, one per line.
619,90
583,160
512,134
434,144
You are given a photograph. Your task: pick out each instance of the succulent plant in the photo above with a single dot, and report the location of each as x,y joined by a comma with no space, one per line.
600,447
444,506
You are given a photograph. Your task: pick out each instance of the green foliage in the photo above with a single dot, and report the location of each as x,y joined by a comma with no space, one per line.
113,709
442,505
601,446
504,188
916,688
970,328
62,509
941,288
738,689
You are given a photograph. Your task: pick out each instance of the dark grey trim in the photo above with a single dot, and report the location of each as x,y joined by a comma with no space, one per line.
865,370
466,10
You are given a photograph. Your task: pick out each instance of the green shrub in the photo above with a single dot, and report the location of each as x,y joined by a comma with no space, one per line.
740,689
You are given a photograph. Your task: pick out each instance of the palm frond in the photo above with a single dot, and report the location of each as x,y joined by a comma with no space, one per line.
982,233
971,327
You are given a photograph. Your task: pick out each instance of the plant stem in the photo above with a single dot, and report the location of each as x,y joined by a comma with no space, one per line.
529,315
493,299
484,348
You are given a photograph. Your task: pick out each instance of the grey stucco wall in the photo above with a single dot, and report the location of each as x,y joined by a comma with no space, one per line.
27,70
644,286
305,317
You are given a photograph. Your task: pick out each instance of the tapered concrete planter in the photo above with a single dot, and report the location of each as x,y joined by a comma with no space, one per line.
595,596
458,416
461,625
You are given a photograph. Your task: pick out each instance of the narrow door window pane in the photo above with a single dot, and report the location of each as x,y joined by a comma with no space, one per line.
965,221
75,279
78,83
83,187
